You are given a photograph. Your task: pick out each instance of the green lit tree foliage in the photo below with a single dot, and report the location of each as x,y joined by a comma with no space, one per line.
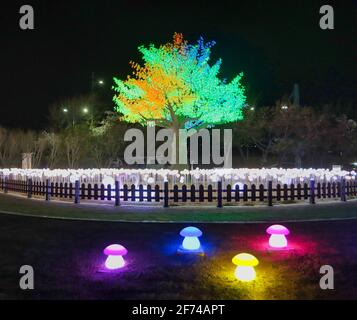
178,88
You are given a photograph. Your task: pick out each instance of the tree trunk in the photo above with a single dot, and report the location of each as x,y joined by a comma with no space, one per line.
265,157
298,161
179,150
241,152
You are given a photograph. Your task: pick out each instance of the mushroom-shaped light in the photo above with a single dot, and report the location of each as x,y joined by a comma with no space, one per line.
277,236
190,241
115,253
245,263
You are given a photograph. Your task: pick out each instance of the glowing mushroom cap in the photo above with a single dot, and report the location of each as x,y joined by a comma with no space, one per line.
115,250
245,260
278,229
191,232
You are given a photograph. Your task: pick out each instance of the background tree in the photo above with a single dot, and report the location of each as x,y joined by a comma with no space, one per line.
75,144
39,148
257,131
76,110
53,146
14,142
344,136
107,148
296,133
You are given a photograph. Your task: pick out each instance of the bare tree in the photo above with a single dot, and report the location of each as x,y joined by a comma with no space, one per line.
75,140
106,145
39,148
3,137
53,142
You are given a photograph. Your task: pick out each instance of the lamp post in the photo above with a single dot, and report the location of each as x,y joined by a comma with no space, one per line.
87,111
65,111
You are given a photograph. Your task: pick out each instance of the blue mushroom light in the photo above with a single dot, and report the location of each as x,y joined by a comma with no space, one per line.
191,241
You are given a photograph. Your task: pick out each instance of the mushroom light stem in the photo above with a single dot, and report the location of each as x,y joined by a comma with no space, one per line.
191,243
245,273
278,241
114,262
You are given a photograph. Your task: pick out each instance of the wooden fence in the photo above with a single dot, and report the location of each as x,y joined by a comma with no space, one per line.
216,195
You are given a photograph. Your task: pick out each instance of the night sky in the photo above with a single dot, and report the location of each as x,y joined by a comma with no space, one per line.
275,43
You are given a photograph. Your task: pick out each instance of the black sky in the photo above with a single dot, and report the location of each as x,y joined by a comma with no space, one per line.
275,43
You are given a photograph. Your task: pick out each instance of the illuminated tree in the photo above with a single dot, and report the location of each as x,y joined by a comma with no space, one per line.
177,88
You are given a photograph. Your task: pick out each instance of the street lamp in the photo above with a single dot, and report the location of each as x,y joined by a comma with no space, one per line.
65,110
89,114
96,82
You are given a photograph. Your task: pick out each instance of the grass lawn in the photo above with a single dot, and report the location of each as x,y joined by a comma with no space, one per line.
66,256
39,207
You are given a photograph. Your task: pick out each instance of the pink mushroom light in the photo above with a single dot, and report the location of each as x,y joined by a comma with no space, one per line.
115,253
277,236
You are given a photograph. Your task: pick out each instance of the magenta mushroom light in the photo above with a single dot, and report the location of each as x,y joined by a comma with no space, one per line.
278,235
115,253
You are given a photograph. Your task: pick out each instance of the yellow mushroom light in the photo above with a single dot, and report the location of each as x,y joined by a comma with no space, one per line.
245,263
